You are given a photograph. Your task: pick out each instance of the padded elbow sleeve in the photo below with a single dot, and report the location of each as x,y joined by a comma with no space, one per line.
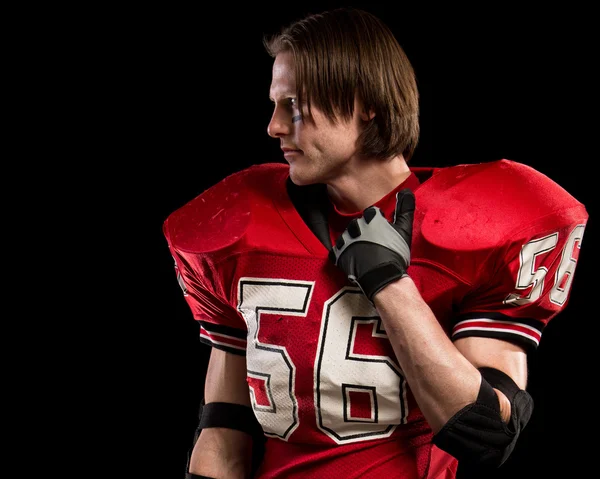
477,435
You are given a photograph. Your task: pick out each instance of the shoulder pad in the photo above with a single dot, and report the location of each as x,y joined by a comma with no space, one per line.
479,204
219,217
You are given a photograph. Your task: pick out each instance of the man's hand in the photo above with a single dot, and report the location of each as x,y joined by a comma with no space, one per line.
374,252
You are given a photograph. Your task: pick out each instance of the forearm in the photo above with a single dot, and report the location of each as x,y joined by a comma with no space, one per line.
441,379
222,453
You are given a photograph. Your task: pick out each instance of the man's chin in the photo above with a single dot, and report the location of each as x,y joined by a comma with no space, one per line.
301,180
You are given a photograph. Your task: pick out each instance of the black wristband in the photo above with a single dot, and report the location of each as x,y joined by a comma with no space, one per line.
231,416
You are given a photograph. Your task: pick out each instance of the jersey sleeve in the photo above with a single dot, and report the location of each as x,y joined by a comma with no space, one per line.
202,284
526,280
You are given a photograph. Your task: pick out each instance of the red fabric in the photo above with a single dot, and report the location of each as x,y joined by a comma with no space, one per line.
494,252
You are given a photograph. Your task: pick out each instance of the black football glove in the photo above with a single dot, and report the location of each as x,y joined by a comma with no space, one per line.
374,252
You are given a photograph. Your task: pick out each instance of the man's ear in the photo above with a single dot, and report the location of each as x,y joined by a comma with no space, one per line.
364,115
367,116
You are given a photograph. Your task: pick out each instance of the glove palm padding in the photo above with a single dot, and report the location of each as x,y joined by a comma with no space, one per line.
374,252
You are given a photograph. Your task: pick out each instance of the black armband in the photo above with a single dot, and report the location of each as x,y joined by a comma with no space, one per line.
230,416
476,435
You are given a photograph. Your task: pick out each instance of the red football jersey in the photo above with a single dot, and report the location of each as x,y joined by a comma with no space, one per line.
494,251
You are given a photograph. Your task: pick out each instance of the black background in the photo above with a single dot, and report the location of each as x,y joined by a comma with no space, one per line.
187,92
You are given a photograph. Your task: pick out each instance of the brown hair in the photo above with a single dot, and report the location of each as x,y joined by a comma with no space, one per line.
347,52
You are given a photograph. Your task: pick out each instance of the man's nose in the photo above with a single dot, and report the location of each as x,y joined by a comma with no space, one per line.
280,124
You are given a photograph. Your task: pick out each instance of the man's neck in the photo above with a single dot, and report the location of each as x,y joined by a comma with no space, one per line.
362,187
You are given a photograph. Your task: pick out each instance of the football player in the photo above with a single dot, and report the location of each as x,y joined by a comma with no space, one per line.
367,318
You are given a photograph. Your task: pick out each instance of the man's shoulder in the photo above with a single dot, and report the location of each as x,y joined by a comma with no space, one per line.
220,215
482,204
497,172
500,186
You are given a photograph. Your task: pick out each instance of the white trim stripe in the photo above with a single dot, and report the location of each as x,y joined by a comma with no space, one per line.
223,339
487,320
221,343
535,339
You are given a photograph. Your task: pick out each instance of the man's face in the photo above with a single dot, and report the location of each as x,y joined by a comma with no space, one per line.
320,151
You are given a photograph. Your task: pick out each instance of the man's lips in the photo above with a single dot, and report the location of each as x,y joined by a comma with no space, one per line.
287,152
